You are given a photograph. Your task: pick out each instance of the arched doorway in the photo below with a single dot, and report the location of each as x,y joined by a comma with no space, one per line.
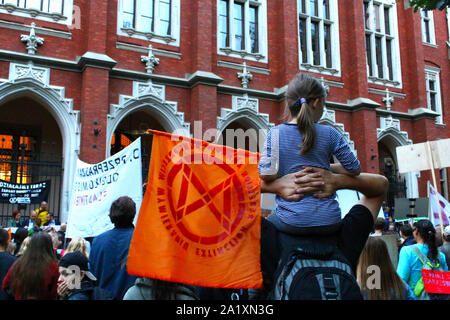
133,126
389,168
31,151
241,134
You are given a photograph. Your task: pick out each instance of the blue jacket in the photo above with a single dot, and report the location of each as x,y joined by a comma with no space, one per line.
108,261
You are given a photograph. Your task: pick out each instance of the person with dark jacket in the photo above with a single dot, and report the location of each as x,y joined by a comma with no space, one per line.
75,282
109,251
6,260
406,233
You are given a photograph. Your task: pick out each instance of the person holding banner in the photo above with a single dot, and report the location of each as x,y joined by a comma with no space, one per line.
423,255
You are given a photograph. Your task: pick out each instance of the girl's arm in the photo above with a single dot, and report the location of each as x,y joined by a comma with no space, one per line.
268,178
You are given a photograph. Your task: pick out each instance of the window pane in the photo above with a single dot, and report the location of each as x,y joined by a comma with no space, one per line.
313,7
379,57
389,58
164,16
14,2
301,6
315,42
223,24
376,9
431,85
369,54
426,30
326,9
54,6
144,16
33,4
327,38
387,21
238,26
302,28
128,14
128,6
433,101
146,8
366,16
253,27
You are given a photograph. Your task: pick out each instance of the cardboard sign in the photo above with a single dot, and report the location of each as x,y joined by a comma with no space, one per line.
436,281
414,157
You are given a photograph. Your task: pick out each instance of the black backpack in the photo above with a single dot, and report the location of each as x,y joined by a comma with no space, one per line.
314,270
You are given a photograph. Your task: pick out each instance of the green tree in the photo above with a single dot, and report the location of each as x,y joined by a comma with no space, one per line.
430,4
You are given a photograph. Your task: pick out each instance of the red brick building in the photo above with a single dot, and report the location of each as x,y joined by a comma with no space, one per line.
84,82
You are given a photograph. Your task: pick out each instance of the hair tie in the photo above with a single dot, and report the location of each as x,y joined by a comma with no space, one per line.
299,102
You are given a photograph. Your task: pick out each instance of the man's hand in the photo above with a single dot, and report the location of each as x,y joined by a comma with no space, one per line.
319,182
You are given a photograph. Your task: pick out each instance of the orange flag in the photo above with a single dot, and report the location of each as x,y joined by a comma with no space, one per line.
9,233
199,222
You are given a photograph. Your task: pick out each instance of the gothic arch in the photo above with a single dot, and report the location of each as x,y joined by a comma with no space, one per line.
151,98
33,82
393,137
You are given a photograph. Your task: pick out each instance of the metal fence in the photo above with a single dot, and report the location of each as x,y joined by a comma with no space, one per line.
37,171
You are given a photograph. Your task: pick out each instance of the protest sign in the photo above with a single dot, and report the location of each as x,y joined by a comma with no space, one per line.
24,193
97,186
434,209
436,281
425,156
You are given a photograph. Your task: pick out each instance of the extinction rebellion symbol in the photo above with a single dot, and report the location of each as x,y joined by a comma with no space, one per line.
209,220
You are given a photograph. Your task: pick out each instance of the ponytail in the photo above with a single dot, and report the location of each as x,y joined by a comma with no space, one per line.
428,234
305,123
430,240
301,92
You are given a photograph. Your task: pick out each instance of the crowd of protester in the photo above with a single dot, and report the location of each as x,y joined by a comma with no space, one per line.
41,264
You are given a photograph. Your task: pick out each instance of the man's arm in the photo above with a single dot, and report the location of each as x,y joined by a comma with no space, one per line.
286,187
372,186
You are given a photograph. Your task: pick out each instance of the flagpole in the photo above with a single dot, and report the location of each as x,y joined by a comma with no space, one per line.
430,160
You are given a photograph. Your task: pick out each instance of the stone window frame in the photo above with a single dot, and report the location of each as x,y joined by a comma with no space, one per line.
430,19
20,8
156,36
230,49
433,73
304,13
393,36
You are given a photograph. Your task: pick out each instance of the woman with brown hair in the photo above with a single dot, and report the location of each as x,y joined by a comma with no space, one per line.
376,275
34,276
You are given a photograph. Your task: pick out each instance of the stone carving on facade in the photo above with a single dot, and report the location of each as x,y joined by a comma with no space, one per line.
390,125
151,61
388,100
245,76
32,40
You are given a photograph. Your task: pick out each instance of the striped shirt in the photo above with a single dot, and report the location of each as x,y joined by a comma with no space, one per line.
281,156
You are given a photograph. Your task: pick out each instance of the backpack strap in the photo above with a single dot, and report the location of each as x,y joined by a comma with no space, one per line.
424,259
420,287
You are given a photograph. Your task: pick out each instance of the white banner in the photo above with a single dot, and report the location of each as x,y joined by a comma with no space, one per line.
434,210
97,186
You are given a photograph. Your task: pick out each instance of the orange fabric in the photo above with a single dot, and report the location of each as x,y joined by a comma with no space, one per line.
9,233
199,223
